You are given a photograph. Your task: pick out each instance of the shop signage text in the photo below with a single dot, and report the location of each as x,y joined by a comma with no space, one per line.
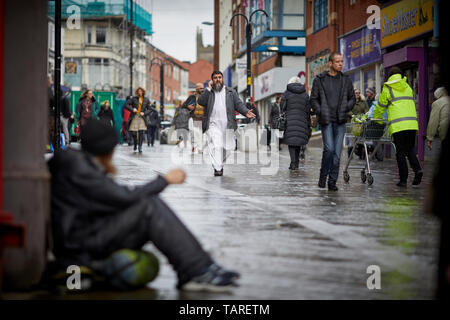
360,48
404,20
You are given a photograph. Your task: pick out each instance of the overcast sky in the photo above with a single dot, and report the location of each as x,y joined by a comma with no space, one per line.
175,23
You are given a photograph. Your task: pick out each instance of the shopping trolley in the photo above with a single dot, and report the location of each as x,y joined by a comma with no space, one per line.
370,130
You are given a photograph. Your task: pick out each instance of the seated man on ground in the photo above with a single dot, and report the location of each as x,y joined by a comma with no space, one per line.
93,216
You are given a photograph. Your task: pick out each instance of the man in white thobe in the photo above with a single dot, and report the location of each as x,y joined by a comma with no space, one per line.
219,121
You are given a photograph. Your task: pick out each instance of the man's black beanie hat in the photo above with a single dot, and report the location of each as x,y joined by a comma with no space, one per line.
98,137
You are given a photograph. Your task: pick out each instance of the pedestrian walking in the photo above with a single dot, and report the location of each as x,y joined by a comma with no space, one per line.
332,97
66,116
250,105
359,108
371,96
274,121
87,107
181,123
152,125
126,136
93,216
106,113
139,107
398,98
295,104
439,117
380,152
197,113
219,122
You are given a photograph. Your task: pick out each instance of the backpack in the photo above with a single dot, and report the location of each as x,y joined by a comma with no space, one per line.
199,110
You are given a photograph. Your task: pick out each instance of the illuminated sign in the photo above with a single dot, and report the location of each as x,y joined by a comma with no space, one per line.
406,19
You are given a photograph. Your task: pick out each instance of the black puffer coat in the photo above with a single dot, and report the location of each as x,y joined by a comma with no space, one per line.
319,101
295,102
92,215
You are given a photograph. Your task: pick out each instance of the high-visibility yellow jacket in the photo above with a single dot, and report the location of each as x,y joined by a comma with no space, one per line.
397,96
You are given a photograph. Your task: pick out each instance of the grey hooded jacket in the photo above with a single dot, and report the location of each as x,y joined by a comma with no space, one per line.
233,103
439,117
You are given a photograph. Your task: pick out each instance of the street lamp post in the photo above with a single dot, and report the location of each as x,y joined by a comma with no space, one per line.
57,79
131,47
248,36
161,82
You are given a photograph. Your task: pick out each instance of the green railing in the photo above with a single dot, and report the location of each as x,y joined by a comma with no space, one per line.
101,96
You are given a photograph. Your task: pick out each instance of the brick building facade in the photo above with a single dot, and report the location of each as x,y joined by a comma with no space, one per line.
326,22
174,72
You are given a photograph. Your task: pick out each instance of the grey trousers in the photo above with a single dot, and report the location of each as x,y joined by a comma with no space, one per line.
65,127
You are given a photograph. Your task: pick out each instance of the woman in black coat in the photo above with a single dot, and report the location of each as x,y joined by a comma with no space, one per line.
295,104
106,113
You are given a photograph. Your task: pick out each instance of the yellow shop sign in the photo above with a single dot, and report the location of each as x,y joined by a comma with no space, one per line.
406,19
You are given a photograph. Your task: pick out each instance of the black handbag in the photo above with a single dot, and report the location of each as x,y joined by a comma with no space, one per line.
282,120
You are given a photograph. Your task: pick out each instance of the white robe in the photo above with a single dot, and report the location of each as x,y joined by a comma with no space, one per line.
220,140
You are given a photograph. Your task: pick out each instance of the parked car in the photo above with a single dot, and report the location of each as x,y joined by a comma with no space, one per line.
165,124
241,121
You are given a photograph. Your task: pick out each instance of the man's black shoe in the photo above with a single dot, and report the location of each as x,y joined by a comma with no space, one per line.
218,173
292,166
332,186
417,178
401,184
322,181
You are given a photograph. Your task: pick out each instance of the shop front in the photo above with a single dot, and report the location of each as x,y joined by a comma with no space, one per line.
407,42
316,65
361,50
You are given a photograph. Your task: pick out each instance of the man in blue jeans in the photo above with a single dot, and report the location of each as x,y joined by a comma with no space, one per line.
332,96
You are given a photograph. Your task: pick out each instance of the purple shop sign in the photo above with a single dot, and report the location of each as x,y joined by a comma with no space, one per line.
360,48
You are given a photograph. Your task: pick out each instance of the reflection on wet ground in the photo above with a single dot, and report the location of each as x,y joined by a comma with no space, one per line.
288,238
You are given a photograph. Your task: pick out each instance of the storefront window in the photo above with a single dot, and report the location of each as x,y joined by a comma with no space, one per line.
369,78
355,77
412,76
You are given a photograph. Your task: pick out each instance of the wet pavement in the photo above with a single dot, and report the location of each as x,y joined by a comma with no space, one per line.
288,238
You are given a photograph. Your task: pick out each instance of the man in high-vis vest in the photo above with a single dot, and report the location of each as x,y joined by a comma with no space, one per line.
397,97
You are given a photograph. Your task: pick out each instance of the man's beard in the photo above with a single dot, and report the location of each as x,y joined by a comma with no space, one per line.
218,86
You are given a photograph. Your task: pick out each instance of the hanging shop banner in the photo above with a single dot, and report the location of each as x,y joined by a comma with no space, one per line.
273,81
241,71
360,48
406,19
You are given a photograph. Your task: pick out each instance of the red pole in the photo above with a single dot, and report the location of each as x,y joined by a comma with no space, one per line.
2,29
11,235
